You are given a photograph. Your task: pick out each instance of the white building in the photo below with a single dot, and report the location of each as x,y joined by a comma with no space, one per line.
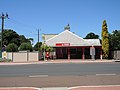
68,45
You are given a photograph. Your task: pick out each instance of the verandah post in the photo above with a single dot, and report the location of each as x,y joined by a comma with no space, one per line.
83,56
68,53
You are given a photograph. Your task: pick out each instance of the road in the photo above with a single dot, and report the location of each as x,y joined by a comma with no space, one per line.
59,69
69,74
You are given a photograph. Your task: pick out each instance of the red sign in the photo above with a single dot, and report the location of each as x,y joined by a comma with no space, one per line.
62,44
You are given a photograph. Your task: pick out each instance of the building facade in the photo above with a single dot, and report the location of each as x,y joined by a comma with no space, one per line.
68,45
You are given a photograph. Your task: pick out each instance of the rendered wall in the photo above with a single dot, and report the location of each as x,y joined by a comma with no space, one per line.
22,56
33,56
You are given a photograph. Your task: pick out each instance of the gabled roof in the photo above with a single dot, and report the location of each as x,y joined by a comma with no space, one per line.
48,36
71,38
95,42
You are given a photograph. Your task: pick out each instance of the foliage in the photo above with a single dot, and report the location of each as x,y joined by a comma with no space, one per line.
105,40
5,60
91,35
37,45
49,49
30,40
22,39
10,36
12,47
46,48
114,40
26,46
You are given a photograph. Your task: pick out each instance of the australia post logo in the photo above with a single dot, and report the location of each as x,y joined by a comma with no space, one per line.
62,44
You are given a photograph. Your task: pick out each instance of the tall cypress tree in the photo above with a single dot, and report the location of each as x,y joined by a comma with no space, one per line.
105,40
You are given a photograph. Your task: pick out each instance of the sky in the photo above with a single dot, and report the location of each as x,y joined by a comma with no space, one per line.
50,16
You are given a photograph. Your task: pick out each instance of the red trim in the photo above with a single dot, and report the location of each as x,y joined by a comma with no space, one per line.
62,44
78,46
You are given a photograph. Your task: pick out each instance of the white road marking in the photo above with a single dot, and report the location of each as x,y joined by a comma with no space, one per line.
94,86
38,76
106,74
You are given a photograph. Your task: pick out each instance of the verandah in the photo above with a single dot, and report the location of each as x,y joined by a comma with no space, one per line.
76,52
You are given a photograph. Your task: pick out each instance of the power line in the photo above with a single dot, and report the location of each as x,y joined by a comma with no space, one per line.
22,24
27,26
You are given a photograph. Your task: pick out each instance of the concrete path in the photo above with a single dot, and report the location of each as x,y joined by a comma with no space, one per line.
32,88
19,88
58,61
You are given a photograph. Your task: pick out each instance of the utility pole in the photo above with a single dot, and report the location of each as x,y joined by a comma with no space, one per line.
38,39
2,17
43,37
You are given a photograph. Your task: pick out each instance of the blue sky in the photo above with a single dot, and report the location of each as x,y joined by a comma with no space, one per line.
50,16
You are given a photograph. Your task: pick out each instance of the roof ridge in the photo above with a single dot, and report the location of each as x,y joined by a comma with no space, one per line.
55,36
64,32
75,35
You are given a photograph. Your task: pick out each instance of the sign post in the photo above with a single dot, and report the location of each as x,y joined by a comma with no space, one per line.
92,52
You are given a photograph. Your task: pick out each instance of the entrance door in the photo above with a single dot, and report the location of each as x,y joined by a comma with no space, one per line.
76,53
61,53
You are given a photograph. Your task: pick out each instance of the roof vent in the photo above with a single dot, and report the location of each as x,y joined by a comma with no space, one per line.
67,27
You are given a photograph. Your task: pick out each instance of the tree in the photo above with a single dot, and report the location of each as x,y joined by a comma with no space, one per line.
46,48
22,38
10,36
114,40
26,46
91,35
12,47
105,40
49,49
37,46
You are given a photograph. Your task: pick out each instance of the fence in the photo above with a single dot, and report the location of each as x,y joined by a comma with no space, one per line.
116,54
22,56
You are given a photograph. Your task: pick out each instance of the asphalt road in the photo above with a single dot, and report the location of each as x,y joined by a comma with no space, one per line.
69,69
60,75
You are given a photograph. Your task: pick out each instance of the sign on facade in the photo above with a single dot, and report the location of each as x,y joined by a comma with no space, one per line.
62,44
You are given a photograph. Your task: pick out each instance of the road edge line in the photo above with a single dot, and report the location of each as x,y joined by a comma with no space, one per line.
93,86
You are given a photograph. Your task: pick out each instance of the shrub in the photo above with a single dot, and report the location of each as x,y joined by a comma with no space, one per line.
26,46
12,47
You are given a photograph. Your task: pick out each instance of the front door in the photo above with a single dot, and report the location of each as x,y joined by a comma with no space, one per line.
75,53
61,53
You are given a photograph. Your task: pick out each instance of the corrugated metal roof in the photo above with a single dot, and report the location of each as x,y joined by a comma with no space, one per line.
94,42
74,40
